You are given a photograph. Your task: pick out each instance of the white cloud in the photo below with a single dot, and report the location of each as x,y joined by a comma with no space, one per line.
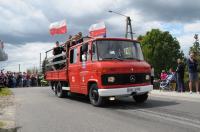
147,26
21,18
25,18
139,24
186,38
117,23
192,27
26,55
79,8
186,41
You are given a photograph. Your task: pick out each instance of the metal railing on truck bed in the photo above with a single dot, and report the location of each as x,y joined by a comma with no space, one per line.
50,62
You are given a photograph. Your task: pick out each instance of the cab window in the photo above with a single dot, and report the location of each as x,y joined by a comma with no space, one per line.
73,56
94,51
84,52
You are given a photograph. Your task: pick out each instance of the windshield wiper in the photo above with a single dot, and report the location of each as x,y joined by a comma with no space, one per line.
113,58
131,58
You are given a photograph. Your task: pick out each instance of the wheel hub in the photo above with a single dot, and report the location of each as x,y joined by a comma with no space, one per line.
95,95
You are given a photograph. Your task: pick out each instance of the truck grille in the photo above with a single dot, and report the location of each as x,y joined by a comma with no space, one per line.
123,79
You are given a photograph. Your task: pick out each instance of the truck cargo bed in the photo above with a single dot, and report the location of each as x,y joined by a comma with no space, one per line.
60,75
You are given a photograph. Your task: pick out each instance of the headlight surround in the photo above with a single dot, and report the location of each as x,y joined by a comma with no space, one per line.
111,79
147,77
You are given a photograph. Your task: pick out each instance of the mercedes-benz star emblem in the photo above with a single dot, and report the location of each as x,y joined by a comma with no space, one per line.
132,78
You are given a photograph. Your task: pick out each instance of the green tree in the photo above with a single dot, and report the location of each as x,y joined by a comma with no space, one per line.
196,46
160,49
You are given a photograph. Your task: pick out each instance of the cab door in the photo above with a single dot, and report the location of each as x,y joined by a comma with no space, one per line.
73,72
85,67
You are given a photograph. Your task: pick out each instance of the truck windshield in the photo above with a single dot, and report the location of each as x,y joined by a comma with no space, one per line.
119,50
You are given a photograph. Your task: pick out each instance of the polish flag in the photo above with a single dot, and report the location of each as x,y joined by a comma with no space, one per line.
58,27
98,30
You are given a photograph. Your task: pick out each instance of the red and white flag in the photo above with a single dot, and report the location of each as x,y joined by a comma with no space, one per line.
98,30
58,27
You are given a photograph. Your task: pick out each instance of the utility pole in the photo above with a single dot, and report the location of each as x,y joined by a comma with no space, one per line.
128,27
40,62
19,68
128,24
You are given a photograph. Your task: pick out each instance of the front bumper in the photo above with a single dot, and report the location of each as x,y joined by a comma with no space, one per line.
125,91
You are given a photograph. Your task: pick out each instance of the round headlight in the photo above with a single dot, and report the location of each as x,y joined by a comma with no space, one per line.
111,79
147,77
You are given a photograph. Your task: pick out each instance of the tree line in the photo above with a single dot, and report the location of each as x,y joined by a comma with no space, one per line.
161,50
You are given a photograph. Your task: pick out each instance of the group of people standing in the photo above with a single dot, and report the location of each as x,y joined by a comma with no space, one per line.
192,71
18,79
58,49
179,74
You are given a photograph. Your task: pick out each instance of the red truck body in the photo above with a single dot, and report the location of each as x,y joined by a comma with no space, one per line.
109,77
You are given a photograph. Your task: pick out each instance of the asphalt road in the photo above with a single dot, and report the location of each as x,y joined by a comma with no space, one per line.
39,110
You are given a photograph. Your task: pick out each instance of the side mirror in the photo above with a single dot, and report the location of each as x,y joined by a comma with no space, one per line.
85,48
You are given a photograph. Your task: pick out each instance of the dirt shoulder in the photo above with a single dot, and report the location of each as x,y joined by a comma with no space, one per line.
7,111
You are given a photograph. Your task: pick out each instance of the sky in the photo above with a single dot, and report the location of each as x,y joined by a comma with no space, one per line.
24,24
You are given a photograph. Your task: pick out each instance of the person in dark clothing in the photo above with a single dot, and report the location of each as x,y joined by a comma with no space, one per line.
193,73
39,79
10,83
19,80
56,51
79,38
68,42
75,39
180,76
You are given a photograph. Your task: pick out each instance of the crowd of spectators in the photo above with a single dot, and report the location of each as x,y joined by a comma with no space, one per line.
19,79
175,79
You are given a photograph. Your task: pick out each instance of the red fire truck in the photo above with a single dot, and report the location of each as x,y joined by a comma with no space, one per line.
101,68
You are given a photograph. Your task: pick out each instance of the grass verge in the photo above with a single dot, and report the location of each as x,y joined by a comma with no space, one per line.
5,92
2,124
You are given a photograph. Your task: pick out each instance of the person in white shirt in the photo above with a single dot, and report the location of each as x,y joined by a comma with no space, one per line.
152,74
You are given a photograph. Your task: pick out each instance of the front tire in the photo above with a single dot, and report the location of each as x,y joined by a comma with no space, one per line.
140,98
94,97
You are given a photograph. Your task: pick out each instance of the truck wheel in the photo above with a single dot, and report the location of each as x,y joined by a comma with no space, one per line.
52,84
140,98
59,91
94,97
55,88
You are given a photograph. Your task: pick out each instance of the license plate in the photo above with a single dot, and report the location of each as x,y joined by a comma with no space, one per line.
130,90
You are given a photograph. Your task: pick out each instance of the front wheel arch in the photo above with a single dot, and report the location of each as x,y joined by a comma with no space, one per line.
90,83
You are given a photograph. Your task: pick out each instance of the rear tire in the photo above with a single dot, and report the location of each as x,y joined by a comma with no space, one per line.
140,98
52,84
59,91
94,97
